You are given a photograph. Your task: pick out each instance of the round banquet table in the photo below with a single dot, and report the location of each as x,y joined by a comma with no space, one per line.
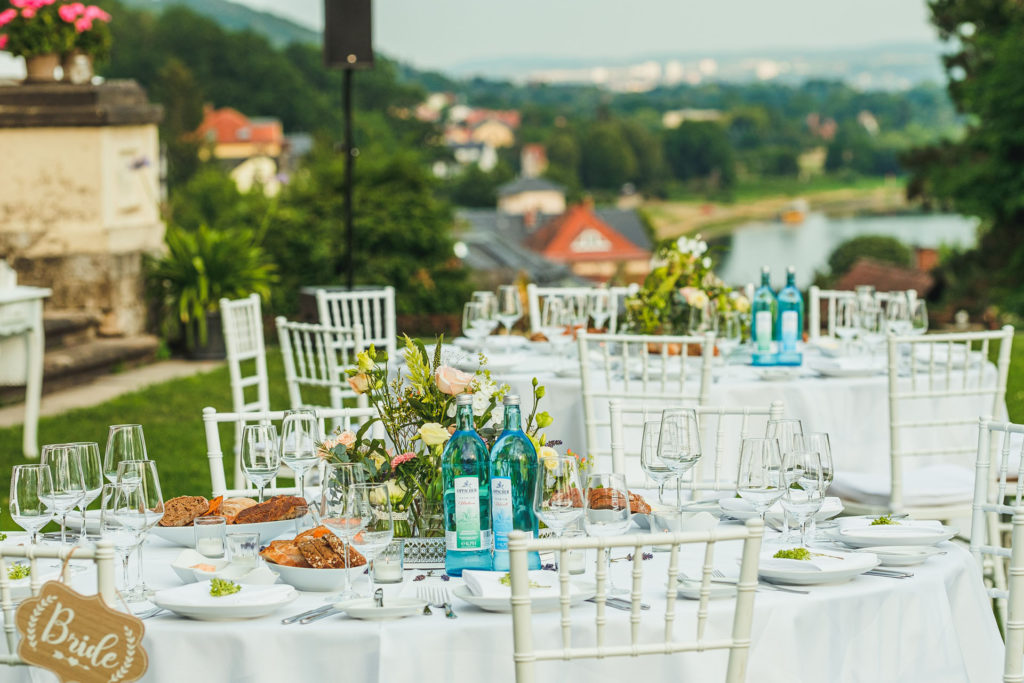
936,627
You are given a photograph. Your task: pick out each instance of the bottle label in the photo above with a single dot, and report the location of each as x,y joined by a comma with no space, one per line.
789,331
467,515
501,511
763,330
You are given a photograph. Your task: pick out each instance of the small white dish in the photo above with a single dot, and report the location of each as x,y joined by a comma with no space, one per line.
394,608
578,594
186,536
830,570
195,602
866,537
316,580
690,589
902,555
184,564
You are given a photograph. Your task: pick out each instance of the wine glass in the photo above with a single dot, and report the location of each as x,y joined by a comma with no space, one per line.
474,323
489,303
654,466
679,444
817,442
785,431
557,320
261,457
758,481
300,432
372,505
143,508
124,442
607,513
803,487
510,310
918,317
847,321
124,538
700,319
92,473
65,465
558,496
599,302
897,313
337,511
729,333
31,491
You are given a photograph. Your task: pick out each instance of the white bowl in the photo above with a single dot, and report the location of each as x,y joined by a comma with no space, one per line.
186,535
316,580
187,559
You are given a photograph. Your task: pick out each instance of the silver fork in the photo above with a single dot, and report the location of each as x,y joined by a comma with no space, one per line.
423,594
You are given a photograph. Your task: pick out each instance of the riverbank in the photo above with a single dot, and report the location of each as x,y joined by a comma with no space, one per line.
672,218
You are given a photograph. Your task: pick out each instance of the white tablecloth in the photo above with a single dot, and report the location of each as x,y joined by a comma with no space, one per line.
936,627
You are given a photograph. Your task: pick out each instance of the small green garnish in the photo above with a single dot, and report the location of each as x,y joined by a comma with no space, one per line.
18,571
793,554
882,521
796,485
506,580
221,587
3,536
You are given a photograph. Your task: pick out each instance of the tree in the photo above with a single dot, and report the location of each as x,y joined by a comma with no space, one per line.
475,187
177,89
875,247
607,161
701,150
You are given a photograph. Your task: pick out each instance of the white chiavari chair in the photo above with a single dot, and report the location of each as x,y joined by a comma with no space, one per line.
638,639
317,356
102,554
345,418
722,429
371,310
536,294
935,382
831,298
636,368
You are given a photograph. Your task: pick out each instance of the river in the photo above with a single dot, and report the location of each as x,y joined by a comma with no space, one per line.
807,246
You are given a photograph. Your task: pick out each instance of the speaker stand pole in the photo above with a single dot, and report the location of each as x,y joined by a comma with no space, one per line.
350,157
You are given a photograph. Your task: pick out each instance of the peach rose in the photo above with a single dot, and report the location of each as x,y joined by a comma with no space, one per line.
359,383
451,381
346,439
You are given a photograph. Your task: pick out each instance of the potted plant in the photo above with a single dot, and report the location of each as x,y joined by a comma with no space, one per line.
33,29
199,268
91,42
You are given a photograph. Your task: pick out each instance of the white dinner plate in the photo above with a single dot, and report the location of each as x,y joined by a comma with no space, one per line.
550,603
186,536
494,343
394,608
852,565
315,580
690,589
194,601
832,369
92,521
866,537
902,555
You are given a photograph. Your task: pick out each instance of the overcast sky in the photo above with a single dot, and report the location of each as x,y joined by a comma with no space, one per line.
442,33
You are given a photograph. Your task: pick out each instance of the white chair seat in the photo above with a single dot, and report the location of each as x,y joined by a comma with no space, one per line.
932,485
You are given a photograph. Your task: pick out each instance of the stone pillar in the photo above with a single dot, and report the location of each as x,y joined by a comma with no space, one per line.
80,194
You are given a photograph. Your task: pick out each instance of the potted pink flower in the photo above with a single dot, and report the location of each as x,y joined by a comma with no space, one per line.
91,42
33,29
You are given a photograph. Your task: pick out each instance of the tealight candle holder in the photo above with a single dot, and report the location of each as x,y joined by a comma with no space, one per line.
210,536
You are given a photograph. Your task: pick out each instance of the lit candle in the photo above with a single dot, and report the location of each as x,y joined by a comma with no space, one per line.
387,570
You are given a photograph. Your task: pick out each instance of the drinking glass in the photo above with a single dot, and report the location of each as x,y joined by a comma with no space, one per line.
803,487
143,508
261,456
124,538
337,511
65,465
729,333
92,473
700,319
124,442
599,302
510,310
489,303
607,513
558,496
300,432
243,549
872,323
897,313
31,491
210,532
654,466
919,317
474,323
679,444
557,321
785,431
372,504
847,320
759,476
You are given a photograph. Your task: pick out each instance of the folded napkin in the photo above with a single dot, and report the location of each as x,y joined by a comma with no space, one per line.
904,527
198,595
544,584
817,563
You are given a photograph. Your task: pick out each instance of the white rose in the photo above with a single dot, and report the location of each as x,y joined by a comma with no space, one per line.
706,262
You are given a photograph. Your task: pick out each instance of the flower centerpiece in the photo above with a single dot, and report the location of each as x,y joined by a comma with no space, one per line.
34,30
681,294
416,415
91,41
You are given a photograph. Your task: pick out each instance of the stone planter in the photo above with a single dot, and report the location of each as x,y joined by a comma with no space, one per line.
41,68
78,68
214,348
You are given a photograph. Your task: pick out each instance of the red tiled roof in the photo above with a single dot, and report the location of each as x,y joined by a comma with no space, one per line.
886,277
510,117
554,239
227,125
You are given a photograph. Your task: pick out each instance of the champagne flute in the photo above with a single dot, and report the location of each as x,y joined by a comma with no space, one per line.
510,310
372,504
607,513
337,512
65,465
653,466
143,509
261,457
759,478
803,487
31,491
92,473
558,496
300,432
679,444
124,442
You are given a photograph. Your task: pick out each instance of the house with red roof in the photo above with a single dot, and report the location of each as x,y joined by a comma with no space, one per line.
251,148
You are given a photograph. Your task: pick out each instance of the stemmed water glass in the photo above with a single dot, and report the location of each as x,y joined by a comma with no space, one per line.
338,513
785,432
557,320
599,302
300,432
803,487
31,492
918,317
847,320
510,310
759,478
817,442
489,303
679,444
92,474
729,333
124,442
558,496
140,506
654,466
372,505
607,513
124,538
261,456
897,313
474,323
65,465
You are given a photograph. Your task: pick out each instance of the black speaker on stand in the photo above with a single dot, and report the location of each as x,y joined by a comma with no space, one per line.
348,45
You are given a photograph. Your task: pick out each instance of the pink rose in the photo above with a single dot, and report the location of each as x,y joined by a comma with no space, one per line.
359,383
7,15
3,42
403,458
67,13
451,381
28,12
82,25
346,439
94,12
20,3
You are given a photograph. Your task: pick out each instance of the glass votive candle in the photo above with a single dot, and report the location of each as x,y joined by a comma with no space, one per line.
387,566
244,548
210,536
576,558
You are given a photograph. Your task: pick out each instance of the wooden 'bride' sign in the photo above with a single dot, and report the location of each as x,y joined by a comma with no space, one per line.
80,638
